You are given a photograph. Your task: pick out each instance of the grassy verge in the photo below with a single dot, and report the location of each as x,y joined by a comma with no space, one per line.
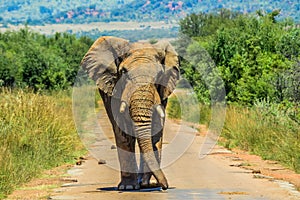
37,132
271,131
268,130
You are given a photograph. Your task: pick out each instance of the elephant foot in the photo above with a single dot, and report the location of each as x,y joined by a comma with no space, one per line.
144,180
128,184
150,185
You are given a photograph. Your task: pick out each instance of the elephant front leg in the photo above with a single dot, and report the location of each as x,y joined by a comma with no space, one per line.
145,173
126,154
125,143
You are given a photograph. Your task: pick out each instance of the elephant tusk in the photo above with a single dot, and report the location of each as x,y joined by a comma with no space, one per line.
160,111
123,107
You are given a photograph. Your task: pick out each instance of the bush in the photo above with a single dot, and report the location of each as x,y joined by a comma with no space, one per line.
256,57
29,59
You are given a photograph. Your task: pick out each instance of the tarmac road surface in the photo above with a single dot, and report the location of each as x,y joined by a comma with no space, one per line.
189,176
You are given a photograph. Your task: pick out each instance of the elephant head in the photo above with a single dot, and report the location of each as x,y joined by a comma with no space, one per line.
141,76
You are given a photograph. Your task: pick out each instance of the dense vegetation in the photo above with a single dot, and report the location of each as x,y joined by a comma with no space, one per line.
38,13
29,59
258,59
37,132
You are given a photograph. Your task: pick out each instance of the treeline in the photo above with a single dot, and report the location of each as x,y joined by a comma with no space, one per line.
33,60
256,56
133,35
29,59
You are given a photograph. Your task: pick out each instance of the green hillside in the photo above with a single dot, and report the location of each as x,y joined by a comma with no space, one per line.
41,11
36,12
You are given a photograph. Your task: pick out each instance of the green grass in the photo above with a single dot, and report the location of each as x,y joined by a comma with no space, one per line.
269,130
37,132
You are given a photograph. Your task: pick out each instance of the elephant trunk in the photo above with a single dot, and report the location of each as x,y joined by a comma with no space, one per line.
146,147
142,104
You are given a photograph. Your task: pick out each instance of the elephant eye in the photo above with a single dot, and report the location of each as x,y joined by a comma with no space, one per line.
124,70
125,74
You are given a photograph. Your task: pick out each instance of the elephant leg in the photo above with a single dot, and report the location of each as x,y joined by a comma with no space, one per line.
125,144
126,154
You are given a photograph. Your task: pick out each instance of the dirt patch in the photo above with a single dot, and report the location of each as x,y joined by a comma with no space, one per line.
260,168
233,193
268,169
41,187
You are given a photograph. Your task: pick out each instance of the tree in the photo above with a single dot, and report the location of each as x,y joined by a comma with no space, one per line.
204,24
34,60
255,57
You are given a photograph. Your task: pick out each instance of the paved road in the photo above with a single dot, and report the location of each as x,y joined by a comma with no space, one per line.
189,177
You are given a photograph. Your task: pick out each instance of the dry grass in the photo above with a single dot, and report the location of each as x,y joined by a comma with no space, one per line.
266,131
36,132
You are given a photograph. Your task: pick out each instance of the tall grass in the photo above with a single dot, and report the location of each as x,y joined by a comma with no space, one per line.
271,131
36,132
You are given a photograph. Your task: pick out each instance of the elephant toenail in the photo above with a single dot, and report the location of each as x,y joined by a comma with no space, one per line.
129,187
121,187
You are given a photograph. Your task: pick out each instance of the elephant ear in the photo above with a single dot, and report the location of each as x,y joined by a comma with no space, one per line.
166,82
102,61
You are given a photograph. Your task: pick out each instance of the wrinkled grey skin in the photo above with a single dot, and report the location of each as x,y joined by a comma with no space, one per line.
134,81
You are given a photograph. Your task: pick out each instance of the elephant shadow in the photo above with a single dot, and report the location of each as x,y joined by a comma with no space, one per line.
115,189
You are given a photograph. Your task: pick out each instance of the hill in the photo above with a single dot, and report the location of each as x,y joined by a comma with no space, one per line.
39,12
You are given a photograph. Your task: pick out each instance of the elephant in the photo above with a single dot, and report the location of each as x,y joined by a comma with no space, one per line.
134,81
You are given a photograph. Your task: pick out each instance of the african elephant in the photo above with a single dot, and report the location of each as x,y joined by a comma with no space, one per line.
134,81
